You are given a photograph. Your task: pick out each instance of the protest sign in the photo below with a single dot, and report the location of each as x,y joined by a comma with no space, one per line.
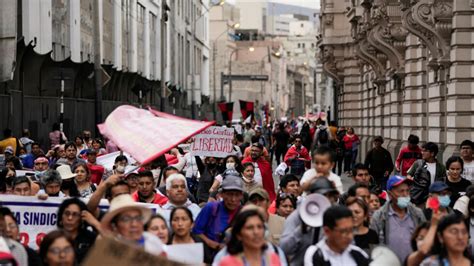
148,134
108,251
37,217
108,160
213,141
194,253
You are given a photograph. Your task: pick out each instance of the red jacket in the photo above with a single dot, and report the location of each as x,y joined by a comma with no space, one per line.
267,177
301,154
159,199
406,158
97,171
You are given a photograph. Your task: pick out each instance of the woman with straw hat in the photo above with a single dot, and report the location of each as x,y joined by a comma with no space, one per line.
126,219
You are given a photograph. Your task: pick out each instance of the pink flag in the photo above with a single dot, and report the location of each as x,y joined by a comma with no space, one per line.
147,134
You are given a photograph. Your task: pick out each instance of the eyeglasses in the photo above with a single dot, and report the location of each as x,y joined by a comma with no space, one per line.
12,226
130,219
73,214
58,251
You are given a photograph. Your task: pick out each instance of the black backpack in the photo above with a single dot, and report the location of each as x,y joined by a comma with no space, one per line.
361,260
323,136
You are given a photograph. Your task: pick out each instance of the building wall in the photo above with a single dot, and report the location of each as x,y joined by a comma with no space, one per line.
398,76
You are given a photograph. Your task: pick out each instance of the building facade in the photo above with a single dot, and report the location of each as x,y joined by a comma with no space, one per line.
52,40
401,67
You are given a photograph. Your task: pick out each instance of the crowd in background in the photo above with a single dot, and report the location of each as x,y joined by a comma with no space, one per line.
245,208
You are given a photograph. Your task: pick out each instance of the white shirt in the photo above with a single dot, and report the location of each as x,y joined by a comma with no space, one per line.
190,165
431,167
334,258
468,171
311,173
258,175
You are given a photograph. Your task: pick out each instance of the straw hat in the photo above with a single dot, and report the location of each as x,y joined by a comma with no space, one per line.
120,204
65,172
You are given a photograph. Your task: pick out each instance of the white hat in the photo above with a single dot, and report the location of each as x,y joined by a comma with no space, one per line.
120,204
65,172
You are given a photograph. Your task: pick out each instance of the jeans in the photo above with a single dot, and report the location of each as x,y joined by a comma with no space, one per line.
280,154
354,158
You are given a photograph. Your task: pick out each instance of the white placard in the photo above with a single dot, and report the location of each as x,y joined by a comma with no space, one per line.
213,142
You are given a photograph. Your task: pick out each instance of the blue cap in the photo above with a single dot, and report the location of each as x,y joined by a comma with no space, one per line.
395,181
438,186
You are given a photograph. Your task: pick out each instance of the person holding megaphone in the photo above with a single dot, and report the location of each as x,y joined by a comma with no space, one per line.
303,227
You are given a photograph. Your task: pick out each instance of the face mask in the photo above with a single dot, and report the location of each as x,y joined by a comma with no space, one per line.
211,165
230,165
120,169
444,201
403,202
39,173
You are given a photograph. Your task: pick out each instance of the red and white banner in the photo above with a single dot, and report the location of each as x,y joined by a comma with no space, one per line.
147,134
213,142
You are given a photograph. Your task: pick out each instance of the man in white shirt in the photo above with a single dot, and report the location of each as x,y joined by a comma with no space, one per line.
178,195
466,155
336,247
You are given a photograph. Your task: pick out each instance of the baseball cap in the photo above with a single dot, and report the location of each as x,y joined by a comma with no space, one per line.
322,185
91,151
259,192
438,186
396,180
258,145
9,150
232,183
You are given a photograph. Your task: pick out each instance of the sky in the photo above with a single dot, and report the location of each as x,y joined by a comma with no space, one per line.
304,3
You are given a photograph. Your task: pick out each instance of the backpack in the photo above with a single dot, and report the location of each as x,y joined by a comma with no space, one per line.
360,260
323,136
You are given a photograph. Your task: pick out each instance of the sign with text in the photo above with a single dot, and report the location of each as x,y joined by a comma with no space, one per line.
213,142
37,217
108,251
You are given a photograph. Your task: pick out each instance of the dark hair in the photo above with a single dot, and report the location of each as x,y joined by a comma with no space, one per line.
352,191
239,137
470,191
3,180
424,225
16,162
238,164
49,239
186,210
334,214
297,136
284,196
97,140
155,216
160,162
359,202
357,167
70,185
66,203
168,168
454,159
234,246
146,173
21,179
4,211
431,147
35,144
325,150
378,138
413,139
108,191
467,142
287,179
121,158
245,165
445,222
470,206
70,144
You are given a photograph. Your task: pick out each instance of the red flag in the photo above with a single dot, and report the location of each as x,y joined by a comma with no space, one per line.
226,109
148,134
246,108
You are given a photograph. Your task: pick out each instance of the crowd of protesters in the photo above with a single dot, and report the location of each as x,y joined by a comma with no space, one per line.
245,209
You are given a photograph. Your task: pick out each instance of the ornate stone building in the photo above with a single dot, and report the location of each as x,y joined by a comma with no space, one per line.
401,67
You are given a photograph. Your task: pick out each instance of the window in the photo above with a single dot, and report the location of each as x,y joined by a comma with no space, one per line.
141,13
302,45
302,25
299,45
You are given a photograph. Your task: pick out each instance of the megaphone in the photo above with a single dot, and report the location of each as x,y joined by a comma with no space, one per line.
384,256
312,209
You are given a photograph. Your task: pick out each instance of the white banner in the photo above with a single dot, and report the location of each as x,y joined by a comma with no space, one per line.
213,142
37,217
